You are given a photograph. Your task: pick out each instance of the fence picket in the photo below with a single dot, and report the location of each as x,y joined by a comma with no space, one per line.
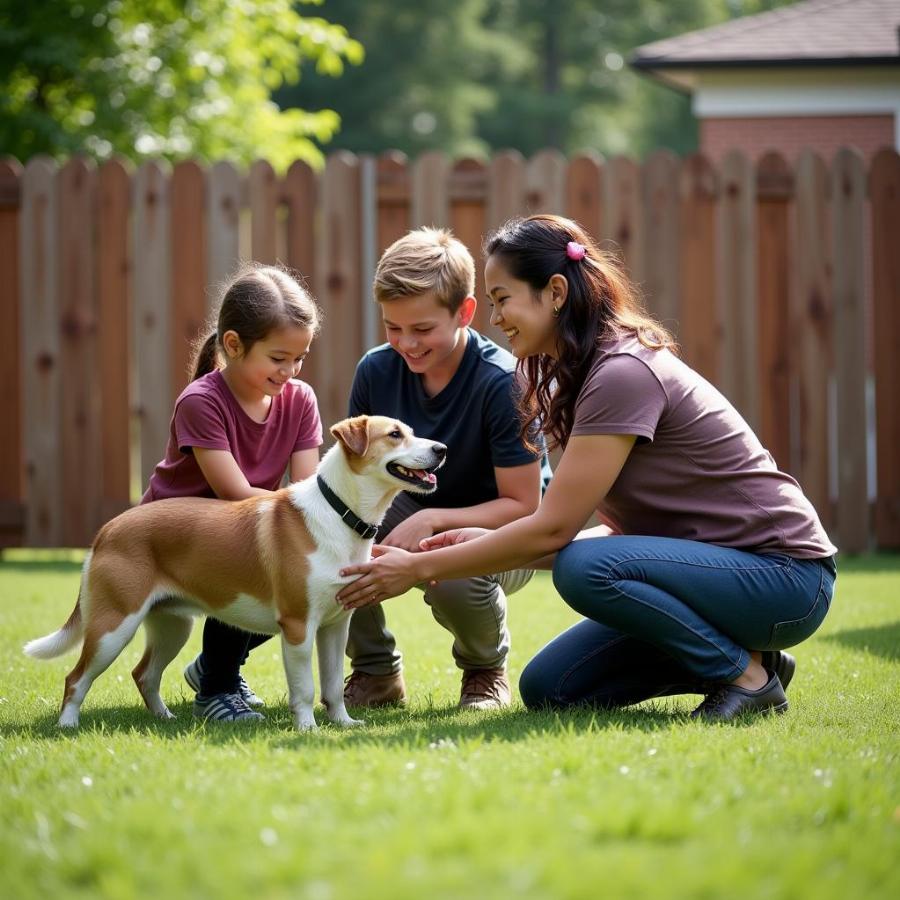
700,327
338,287
736,286
545,182
189,271
430,199
152,314
660,218
506,188
468,214
848,199
263,189
584,192
810,329
114,335
622,214
884,192
774,192
299,191
12,486
223,228
42,372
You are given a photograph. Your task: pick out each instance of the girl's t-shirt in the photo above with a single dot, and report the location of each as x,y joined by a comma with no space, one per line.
208,415
697,471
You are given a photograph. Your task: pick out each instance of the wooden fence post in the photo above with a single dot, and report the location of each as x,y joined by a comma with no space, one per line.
223,214
545,183
12,485
700,327
430,199
848,199
584,193
810,327
884,193
262,188
506,188
467,192
41,374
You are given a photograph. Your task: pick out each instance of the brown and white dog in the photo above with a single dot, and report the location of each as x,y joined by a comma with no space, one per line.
265,564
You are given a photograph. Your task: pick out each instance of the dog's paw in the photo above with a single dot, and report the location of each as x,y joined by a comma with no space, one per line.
349,723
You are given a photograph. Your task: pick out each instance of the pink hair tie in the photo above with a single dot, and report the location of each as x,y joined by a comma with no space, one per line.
575,251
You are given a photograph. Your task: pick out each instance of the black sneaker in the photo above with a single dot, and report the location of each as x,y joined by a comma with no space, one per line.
193,675
728,701
225,708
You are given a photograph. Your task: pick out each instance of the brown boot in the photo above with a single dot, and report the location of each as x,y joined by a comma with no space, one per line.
362,689
484,689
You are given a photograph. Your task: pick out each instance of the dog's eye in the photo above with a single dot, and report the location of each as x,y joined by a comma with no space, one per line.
396,434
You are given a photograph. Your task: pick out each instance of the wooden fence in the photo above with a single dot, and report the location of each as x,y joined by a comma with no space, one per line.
782,284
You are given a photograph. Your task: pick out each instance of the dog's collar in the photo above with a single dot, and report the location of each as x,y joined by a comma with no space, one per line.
348,517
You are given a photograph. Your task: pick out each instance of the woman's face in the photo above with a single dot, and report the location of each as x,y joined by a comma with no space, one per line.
526,318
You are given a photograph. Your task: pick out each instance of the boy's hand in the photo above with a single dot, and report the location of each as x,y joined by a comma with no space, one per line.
408,534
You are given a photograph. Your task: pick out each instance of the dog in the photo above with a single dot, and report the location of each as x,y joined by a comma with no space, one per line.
268,564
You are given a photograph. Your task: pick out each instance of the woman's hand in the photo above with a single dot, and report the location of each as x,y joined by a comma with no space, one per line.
389,573
454,536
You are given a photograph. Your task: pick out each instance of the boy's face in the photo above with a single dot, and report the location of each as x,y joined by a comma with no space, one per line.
426,334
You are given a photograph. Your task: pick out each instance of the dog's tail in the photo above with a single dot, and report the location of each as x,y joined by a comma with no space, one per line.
53,645
69,636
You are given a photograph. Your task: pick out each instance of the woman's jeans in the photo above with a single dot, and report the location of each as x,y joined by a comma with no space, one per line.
666,616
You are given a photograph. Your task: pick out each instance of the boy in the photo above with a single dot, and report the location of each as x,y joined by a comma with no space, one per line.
451,384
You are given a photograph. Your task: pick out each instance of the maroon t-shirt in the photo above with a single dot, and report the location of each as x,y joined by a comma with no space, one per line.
208,415
697,471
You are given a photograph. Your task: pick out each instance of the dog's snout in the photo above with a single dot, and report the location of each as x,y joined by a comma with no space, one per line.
439,450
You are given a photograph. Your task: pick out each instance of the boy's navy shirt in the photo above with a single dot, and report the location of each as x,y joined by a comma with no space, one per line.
474,415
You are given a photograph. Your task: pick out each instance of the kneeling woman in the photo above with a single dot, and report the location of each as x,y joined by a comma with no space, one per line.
715,561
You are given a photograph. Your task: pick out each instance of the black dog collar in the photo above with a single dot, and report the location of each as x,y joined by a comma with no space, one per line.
348,517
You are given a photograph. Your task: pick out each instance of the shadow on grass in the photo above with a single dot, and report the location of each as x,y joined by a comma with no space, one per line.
387,727
880,640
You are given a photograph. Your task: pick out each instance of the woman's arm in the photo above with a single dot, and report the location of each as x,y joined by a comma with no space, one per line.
587,469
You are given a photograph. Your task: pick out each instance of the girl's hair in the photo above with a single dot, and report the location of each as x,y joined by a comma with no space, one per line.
258,300
601,302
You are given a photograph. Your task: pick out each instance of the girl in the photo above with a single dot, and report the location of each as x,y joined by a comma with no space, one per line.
239,424
716,560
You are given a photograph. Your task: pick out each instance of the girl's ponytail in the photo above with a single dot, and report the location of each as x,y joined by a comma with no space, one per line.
204,360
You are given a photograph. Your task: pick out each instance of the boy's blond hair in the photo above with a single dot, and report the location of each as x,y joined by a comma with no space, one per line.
427,259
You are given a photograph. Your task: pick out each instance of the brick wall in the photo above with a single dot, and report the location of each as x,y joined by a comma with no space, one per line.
790,134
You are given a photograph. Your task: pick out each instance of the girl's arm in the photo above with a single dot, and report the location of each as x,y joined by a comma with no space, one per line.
304,463
224,475
587,470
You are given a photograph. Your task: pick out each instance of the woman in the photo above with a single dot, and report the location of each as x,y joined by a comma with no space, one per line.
712,561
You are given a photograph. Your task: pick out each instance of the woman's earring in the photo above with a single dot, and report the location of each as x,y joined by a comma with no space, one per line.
555,311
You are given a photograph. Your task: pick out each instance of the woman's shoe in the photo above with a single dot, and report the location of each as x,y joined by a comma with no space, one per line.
728,701
781,663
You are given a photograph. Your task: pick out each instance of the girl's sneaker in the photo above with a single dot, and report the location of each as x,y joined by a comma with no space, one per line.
193,675
225,708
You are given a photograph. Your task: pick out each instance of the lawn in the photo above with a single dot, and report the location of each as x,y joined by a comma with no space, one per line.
431,802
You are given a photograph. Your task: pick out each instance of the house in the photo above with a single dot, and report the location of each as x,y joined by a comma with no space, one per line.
821,73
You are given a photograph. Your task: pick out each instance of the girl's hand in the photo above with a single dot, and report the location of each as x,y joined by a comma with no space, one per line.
389,573
454,536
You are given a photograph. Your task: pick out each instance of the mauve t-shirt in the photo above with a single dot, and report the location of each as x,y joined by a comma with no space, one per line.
208,415
697,471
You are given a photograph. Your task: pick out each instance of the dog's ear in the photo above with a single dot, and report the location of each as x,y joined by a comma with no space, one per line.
353,434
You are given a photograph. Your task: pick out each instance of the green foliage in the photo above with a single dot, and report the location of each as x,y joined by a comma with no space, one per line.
480,75
172,78
432,802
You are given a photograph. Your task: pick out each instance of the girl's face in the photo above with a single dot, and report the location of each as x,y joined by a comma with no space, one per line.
266,368
527,320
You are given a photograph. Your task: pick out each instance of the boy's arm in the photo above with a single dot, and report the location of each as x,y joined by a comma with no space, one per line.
519,489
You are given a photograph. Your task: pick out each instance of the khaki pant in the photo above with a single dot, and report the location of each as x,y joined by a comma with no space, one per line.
473,610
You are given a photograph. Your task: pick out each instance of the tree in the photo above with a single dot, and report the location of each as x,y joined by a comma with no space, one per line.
171,78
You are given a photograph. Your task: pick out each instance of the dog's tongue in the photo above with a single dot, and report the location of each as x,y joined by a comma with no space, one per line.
422,475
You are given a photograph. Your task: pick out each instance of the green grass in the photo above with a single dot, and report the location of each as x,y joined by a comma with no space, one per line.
432,802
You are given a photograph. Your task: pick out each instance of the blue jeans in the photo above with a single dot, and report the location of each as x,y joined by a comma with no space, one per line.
667,616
